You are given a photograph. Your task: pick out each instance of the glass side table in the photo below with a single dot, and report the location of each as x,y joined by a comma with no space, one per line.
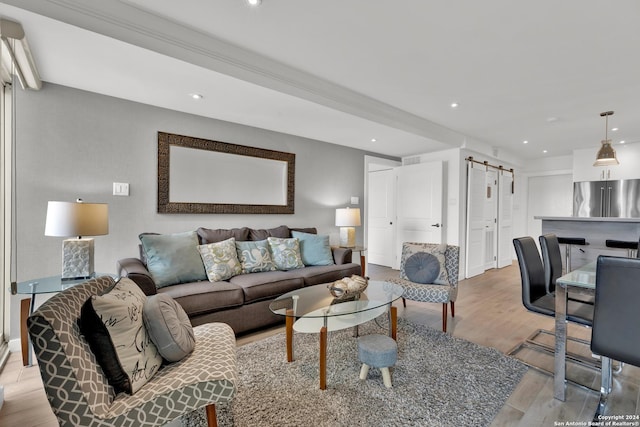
45,285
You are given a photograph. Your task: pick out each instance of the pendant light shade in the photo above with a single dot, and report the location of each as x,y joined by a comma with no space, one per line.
606,155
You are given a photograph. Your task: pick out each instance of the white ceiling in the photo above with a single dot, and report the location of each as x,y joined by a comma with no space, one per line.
349,71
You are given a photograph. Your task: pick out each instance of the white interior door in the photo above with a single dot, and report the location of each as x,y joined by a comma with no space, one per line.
505,219
476,236
491,219
419,205
381,217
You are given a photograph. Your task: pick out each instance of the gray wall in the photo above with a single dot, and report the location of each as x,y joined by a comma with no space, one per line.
71,143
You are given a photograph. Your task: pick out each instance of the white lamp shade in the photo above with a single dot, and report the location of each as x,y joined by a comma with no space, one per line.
65,219
348,217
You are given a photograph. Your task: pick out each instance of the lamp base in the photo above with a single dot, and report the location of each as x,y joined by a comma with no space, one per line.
77,258
347,237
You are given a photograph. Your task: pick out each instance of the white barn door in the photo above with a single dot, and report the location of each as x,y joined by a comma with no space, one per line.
476,235
505,218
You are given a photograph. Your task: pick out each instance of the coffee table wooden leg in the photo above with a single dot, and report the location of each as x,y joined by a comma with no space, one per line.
394,322
323,358
289,326
24,338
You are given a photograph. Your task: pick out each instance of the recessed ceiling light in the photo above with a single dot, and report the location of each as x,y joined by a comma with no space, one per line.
614,129
622,142
254,2
196,96
544,151
525,142
373,140
552,119
454,105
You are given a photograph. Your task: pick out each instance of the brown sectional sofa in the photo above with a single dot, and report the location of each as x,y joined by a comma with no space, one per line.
242,301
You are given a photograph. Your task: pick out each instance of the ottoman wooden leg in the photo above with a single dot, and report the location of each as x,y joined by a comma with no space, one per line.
386,377
364,371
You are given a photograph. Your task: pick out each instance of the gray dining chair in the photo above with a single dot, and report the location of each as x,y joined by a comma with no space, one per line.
616,319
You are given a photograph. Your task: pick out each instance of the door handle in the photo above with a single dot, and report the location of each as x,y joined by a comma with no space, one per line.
436,225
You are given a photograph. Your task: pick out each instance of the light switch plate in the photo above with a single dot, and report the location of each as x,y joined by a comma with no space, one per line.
355,200
120,189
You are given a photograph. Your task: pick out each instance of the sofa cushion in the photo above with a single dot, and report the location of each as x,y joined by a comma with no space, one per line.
173,258
267,285
308,230
208,235
169,327
285,253
255,257
112,325
314,249
316,275
204,297
220,260
281,232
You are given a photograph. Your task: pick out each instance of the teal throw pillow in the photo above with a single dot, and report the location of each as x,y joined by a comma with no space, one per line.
314,249
220,260
254,257
173,258
285,253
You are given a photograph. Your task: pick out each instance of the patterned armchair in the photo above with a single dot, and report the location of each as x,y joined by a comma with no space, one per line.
446,291
79,393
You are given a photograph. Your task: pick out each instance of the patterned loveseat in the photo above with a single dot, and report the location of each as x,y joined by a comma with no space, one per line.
79,393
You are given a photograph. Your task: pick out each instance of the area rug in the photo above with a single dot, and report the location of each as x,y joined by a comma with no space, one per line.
438,380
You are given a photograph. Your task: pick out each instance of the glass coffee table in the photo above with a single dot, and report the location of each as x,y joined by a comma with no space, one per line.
314,310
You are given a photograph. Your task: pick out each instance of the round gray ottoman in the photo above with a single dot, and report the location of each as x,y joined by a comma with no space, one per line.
377,351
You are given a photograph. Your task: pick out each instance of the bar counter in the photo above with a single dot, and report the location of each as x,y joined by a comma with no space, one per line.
596,230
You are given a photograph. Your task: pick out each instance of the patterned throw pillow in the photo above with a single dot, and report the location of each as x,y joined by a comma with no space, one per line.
220,260
437,250
285,253
173,258
255,256
112,325
314,249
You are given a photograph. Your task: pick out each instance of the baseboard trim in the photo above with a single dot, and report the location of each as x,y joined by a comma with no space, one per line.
15,345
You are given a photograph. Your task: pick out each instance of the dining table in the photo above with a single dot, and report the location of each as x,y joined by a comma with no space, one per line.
579,281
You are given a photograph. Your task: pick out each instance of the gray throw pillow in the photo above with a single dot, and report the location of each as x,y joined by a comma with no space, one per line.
169,327
422,268
173,258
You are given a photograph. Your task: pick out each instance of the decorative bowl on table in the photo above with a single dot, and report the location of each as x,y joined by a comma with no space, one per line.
348,288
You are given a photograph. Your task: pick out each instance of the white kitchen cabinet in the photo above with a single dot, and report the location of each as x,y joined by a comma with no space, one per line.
628,156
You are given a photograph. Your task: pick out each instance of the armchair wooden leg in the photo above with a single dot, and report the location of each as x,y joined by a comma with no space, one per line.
444,317
212,419
404,303
453,311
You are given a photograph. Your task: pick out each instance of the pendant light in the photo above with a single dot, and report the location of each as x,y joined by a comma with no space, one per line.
606,155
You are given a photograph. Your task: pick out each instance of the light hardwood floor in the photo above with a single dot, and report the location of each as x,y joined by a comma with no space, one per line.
489,312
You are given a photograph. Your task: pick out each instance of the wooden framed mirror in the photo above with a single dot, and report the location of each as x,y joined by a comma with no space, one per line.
198,175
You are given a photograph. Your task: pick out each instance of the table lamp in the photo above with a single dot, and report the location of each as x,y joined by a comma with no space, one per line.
347,219
66,219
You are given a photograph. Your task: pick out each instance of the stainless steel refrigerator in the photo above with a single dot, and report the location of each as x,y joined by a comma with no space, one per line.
618,199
